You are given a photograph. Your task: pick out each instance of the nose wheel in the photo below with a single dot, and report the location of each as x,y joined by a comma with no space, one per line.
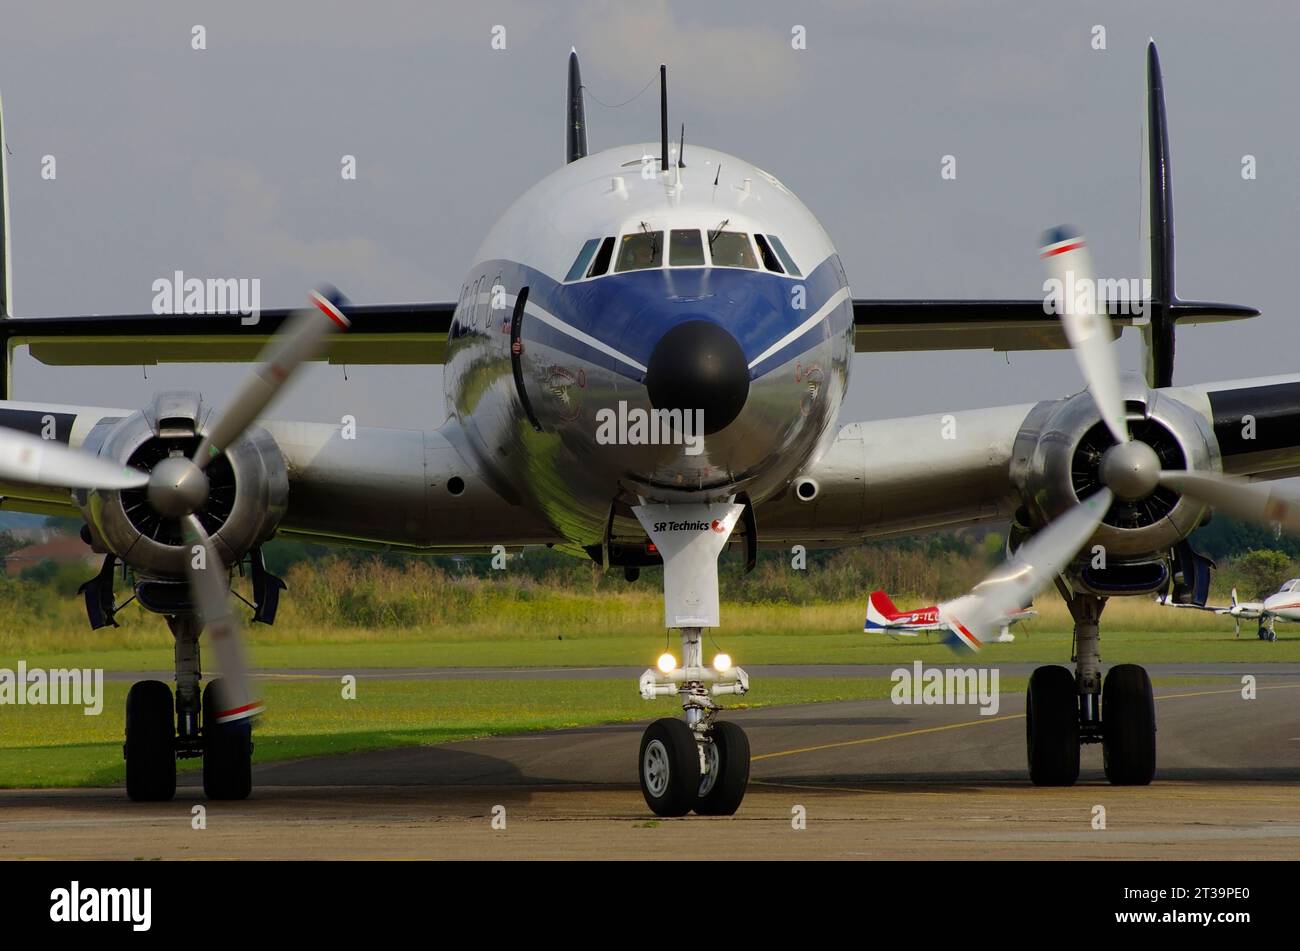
670,768
681,771
726,775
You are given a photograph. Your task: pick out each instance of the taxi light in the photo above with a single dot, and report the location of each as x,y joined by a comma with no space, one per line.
722,663
667,663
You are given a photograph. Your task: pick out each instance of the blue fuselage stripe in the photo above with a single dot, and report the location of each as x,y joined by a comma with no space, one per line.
630,312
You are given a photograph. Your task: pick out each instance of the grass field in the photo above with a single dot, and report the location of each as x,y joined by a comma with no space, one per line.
359,649
624,629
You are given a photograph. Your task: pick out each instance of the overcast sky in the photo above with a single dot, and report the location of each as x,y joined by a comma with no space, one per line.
225,161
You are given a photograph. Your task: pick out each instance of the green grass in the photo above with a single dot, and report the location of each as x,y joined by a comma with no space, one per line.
51,746
400,649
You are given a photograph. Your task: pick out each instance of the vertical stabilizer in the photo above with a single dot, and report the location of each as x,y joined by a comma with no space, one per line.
1157,229
6,286
576,127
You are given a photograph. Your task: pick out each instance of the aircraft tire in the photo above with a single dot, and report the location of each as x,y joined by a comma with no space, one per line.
150,747
731,760
227,752
1052,727
669,768
1128,720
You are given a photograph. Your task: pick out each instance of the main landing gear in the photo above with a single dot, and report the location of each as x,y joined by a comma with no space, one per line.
699,763
158,731
1065,710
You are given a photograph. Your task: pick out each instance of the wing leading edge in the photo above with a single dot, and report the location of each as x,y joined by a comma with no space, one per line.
892,326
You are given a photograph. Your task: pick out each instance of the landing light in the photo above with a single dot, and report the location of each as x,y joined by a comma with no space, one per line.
722,663
667,663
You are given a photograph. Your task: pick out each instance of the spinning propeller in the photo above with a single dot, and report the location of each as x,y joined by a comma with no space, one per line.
177,487
1130,469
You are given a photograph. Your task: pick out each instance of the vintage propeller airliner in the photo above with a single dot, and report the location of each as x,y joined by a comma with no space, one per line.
631,301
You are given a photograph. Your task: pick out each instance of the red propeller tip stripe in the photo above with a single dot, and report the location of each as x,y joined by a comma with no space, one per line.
330,311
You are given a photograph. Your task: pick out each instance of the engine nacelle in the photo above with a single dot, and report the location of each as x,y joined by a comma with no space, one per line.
249,487
1057,458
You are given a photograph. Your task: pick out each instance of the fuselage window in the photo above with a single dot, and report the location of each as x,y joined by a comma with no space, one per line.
765,252
643,249
582,260
784,255
601,264
732,249
687,248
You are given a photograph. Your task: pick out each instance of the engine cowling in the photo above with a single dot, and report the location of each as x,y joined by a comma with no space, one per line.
249,487
1056,463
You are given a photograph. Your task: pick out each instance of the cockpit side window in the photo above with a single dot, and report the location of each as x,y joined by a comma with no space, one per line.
640,250
582,260
601,264
686,249
783,254
732,249
765,252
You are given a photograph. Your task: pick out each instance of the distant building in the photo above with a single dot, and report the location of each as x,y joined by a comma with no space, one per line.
60,549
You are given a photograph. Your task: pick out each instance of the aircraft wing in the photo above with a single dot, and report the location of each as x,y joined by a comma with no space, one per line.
381,334
417,333
886,326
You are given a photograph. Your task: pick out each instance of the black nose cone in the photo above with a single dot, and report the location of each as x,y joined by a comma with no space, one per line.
698,365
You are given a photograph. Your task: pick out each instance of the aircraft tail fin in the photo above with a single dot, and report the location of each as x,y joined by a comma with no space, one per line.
6,273
6,280
1164,308
880,611
1234,597
576,127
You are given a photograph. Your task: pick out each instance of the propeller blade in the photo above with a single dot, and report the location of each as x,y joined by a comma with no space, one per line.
1256,502
208,586
30,459
1087,327
974,617
301,340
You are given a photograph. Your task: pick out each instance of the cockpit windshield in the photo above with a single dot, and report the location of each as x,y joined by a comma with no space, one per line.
1291,585
641,250
687,247
732,249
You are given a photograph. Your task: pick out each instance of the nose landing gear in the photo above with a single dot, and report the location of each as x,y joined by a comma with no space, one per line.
699,763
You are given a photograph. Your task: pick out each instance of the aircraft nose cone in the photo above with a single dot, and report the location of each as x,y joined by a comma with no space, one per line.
698,365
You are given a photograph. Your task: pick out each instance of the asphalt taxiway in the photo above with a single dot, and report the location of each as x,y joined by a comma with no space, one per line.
868,779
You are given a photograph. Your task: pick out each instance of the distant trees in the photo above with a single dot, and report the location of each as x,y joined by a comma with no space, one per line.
1262,570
